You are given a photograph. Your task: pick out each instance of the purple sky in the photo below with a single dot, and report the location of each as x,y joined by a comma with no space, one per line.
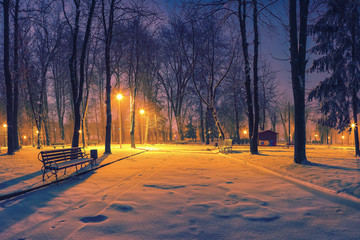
275,47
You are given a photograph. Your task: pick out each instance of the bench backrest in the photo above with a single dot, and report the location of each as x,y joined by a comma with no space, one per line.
61,155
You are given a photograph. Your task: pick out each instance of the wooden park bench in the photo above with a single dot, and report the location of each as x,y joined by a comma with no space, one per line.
55,160
225,146
289,144
92,143
58,144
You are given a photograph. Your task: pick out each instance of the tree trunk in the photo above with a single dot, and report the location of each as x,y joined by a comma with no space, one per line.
108,112
170,120
298,63
8,80
254,140
108,40
355,112
78,86
217,123
16,76
202,136
244,43
237,127
178,120
207,125
46,117
354,92
132,118
77,120
283,121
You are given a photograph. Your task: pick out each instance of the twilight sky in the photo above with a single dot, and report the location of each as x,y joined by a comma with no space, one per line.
274,45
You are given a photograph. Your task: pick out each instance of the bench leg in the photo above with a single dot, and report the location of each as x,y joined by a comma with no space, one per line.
43,173
57,182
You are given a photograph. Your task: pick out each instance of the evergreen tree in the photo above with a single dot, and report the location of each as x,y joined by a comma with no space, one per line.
190,131
337,36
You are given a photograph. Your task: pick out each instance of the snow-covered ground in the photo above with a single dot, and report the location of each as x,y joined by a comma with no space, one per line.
183,192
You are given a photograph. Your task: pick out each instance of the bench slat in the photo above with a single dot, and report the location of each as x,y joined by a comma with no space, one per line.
62,150
61,155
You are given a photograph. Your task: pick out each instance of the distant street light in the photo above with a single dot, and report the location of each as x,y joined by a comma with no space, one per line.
353,125
342,138
119,97
142,111
315,137
245,132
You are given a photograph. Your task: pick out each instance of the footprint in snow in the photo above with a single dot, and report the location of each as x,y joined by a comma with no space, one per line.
122,207
246,211
165,187
94,219
57,224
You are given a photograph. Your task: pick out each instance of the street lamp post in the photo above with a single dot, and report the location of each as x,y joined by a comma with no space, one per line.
315,137
5,127
142,111
353,125
38,140
342,138
119,97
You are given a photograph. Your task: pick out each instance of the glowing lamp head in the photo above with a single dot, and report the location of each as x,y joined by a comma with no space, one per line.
316,135
5,125
342,137
119,96
245,132
24,137
352,125
37,131
79,131
142,111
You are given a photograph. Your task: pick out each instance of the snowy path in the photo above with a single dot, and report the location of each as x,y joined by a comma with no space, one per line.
176,195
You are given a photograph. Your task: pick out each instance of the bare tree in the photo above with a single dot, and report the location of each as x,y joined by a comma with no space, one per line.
108,23
252,106
268,93
215,62
8,79
174,72
298,64
78,79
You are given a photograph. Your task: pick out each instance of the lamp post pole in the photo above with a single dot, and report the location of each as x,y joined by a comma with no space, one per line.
5,128
142,111
119,97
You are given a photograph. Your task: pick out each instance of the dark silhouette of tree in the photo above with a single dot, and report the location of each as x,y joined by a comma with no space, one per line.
298,64
252,98
78,78
8,79
337,35
108,23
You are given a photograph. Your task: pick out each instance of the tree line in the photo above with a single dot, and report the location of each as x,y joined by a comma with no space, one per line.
201,61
